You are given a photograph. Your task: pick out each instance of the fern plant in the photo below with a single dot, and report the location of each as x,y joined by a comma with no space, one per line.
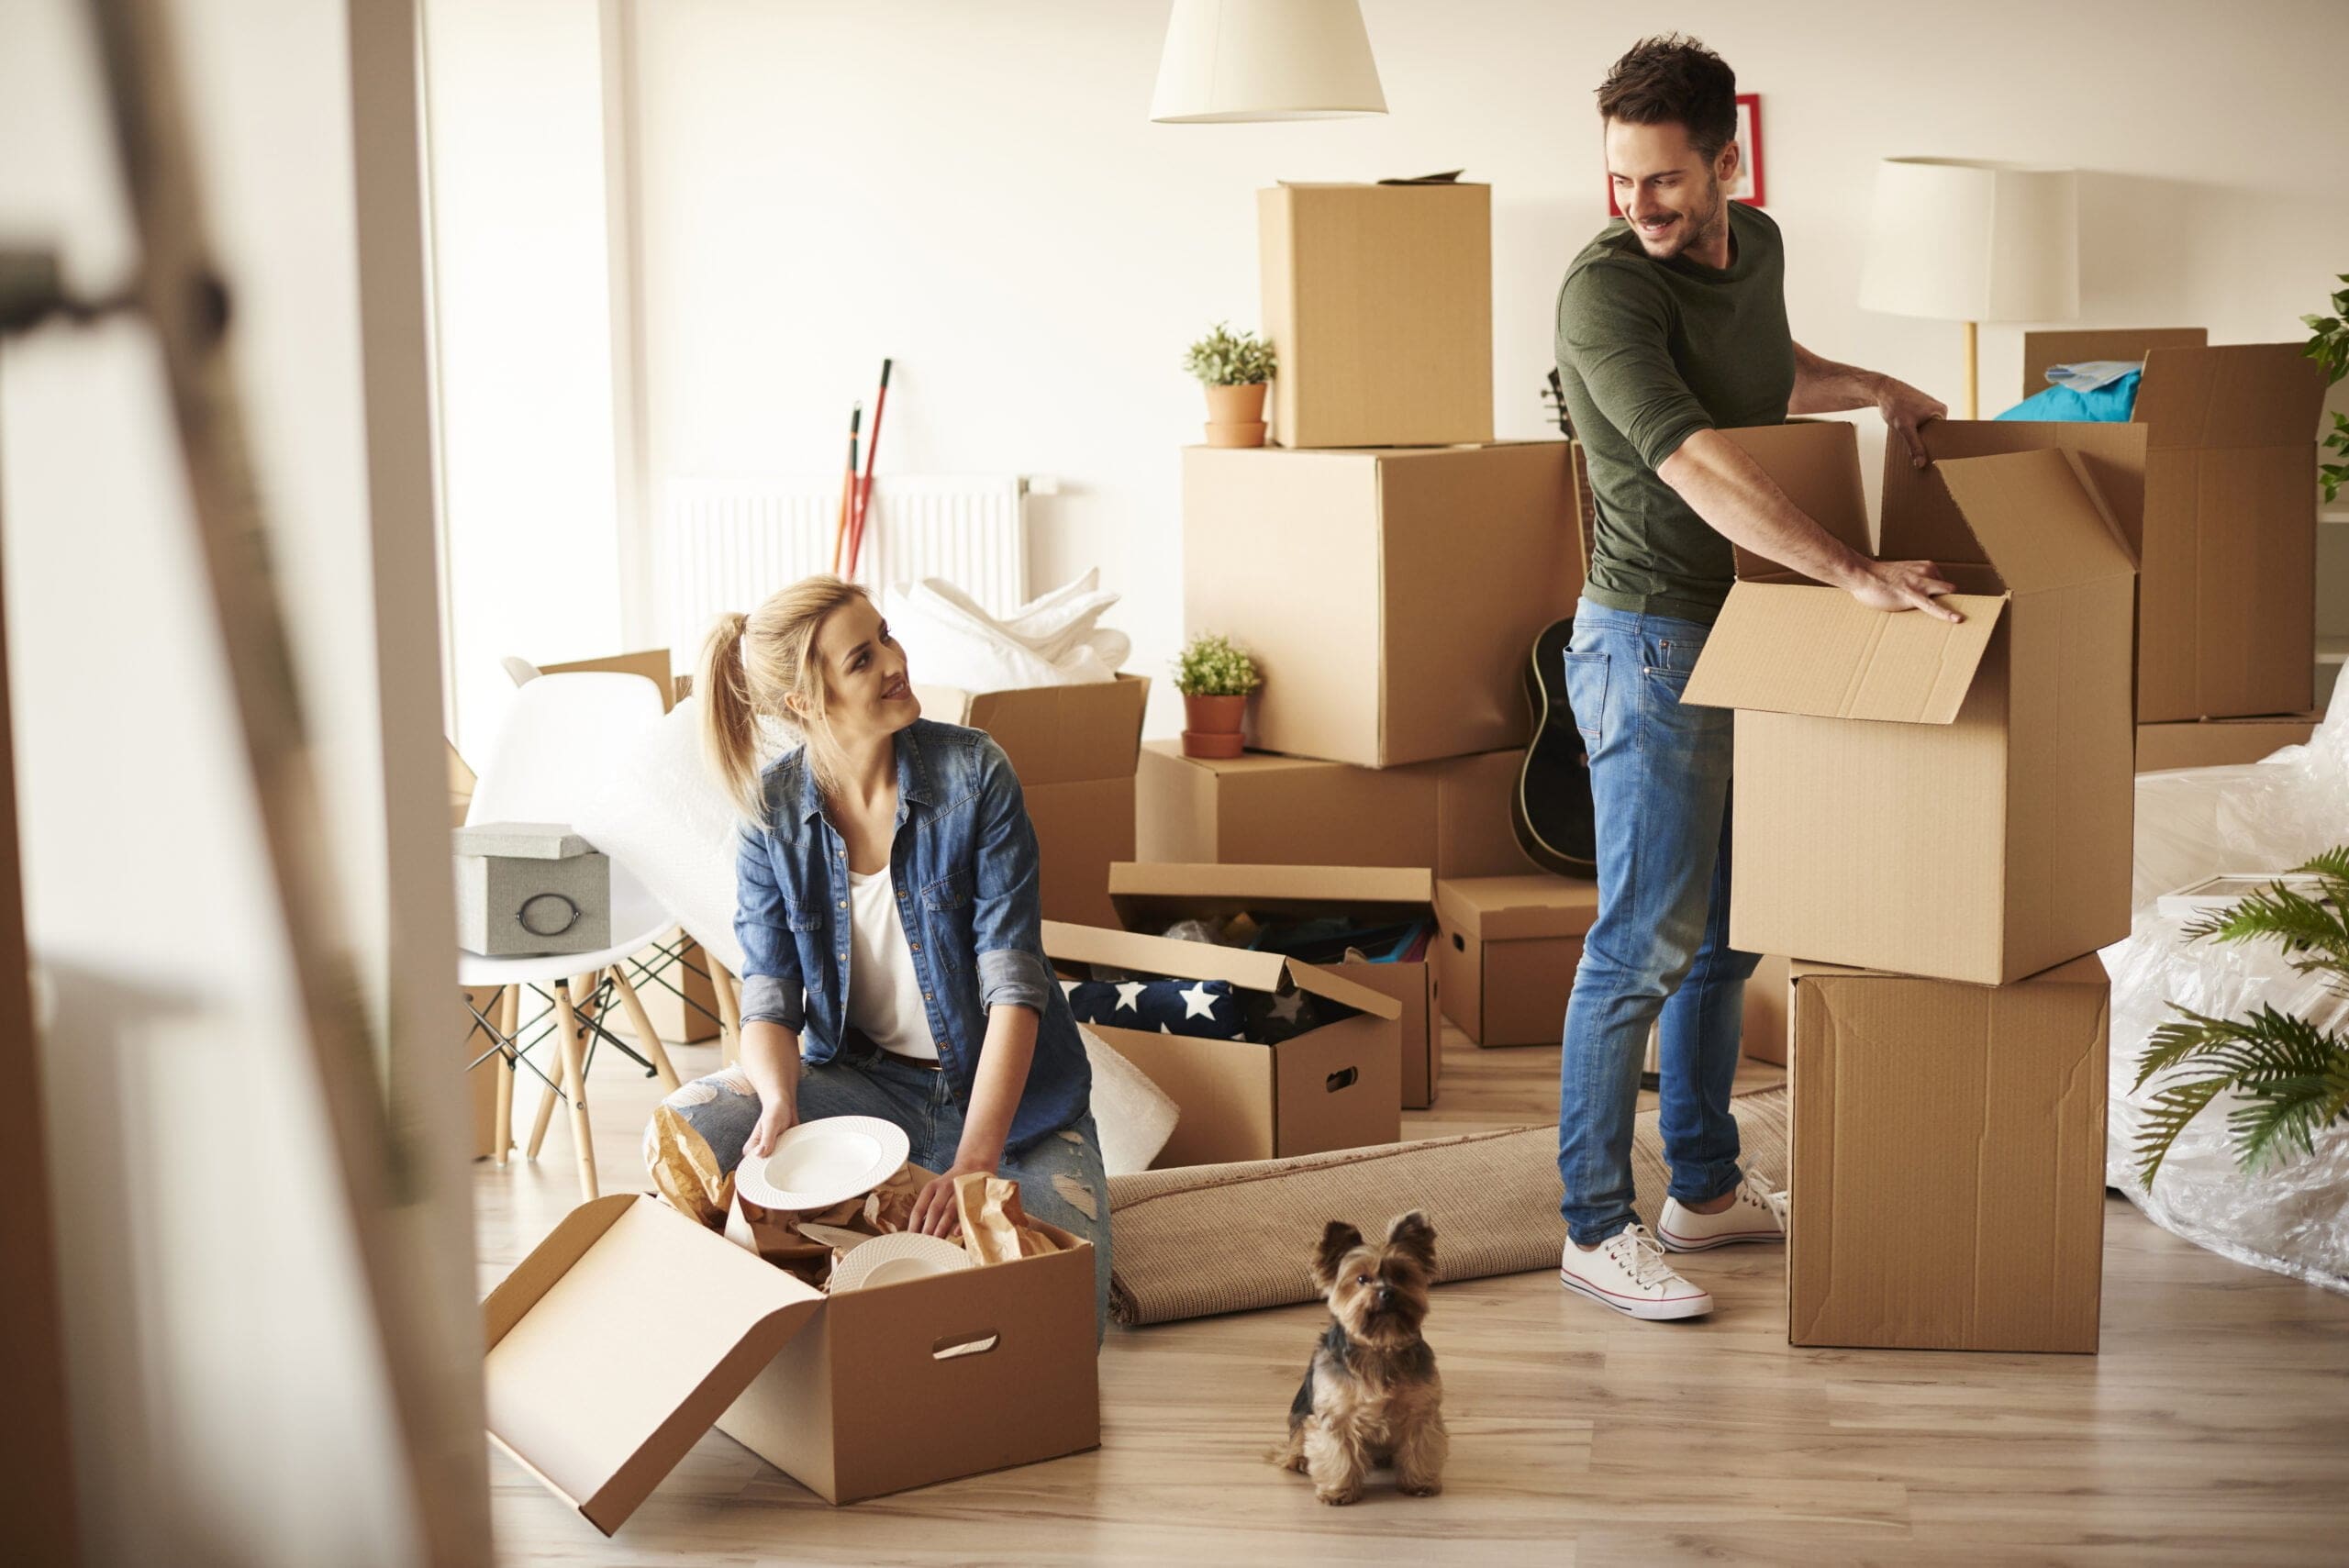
2292,1077
2329,347
1224,358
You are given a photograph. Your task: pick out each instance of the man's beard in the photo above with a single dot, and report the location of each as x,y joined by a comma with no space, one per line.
1690,231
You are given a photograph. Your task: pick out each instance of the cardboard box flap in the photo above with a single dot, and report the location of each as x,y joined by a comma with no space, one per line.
2041,349
1203,961
2238,395
1516,908
1818,466
620,1340
1053,734
1147,890
1920,522
2087,969
2038,519
1792,648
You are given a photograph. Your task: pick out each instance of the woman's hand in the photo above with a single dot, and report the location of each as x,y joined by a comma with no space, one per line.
776,1116
934,1211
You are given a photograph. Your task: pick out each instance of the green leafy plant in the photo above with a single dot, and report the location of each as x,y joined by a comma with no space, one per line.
2292,1077
1212,665
1224,358
2330,348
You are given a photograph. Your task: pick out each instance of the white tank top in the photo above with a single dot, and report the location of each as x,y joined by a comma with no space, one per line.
884,991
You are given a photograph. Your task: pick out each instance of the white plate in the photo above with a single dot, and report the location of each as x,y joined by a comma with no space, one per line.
893,1260
821,1163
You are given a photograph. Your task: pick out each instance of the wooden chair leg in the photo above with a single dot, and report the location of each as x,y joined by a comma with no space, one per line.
729,1011
575,1087
544,1116
645,1034
509,1010
581,1008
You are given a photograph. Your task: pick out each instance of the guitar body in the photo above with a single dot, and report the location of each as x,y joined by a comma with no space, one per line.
1550,811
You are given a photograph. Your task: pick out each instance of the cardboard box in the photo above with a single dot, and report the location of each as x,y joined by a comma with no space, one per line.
689,1019
1338,1086
1765,1011
1390,598
1507,949
1452,816
630,1330
1952,801
1074,749
2226,530
1152,897
1949,1142
2217,742
1379,301
481,1081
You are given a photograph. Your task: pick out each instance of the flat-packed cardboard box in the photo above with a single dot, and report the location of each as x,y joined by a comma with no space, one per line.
1151,896
1952,801
1949,1140
1338,1086
1074,749
1452,816
2218,742
2227,550
1507,949
1379,301
630,1330
1390,598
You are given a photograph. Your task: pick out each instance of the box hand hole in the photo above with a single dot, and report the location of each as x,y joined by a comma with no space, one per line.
951,1345
1342,1079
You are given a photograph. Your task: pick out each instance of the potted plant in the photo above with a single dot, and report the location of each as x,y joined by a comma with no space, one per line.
2289,1078
1215,676
2330,348
1233,367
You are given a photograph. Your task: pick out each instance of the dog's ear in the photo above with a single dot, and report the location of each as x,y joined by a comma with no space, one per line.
1413,1235
1338,1239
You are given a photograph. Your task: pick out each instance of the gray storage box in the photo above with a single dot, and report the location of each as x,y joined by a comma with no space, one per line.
526,889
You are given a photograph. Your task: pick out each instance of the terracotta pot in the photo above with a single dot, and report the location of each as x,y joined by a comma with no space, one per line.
1218,743
1213,716
1236,414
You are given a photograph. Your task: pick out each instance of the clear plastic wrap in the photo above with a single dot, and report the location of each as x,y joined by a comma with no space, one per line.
2292,1215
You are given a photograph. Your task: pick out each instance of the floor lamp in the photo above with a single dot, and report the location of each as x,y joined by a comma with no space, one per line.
1954,240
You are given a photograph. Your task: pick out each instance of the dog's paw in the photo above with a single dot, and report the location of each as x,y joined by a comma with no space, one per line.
1338,1500
1420,1488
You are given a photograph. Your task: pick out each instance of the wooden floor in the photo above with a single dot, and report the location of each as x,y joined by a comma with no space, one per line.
2214,1430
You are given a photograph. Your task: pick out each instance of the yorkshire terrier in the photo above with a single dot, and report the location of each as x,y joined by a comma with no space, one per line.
1371,1395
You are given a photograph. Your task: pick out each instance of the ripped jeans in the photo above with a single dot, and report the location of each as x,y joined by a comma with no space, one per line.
1060,1175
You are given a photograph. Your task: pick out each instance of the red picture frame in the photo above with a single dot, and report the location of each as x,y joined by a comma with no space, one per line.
1748,188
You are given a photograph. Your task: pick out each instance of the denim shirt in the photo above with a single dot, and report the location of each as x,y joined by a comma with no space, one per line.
964,865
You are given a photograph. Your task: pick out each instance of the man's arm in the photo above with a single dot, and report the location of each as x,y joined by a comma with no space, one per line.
1822,387
1745,505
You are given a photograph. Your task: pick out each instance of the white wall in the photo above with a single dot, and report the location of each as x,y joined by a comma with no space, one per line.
228,1392
976,190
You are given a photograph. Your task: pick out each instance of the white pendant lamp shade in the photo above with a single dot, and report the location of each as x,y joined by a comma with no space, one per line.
1958,240
1265,59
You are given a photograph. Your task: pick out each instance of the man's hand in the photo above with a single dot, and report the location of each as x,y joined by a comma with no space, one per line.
1904,409
776,1118
1903,585
934,1211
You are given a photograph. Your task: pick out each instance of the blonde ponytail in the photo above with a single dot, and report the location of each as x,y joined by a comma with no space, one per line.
751,666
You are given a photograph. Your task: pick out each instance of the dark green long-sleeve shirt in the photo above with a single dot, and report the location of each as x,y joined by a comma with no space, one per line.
1651,352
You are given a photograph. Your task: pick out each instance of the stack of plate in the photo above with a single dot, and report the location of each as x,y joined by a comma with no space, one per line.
829,1160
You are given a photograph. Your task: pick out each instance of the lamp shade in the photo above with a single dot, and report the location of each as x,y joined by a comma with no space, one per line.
1958,240
1265,59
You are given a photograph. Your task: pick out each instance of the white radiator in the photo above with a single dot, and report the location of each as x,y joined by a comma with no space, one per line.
727,544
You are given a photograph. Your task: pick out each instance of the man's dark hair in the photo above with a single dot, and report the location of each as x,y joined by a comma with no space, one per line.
1673,79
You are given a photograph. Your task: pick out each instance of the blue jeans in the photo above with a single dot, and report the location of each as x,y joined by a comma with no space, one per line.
1060,1175
1660,786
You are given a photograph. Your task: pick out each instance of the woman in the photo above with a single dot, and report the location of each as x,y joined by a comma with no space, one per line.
891,930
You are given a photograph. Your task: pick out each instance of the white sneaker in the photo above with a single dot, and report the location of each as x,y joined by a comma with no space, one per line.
1627,1272
1758,1215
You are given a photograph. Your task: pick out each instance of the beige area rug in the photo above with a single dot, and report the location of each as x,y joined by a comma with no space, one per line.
1208,1238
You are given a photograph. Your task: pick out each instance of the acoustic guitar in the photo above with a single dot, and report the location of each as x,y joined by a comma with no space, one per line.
1551,810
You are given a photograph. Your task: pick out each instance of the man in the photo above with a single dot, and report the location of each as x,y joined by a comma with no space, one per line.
1671,326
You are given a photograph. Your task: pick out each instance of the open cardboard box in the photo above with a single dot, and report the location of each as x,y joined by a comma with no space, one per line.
1379,299
1151,896
2221,743
630,1330
1074,749
1952,801
1338,1087
1507,949
1949,1142
1452,816
1390,598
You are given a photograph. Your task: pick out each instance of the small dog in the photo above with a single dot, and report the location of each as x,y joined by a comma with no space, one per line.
1371,1395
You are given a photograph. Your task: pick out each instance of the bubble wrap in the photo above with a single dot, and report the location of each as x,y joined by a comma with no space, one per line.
2291,1217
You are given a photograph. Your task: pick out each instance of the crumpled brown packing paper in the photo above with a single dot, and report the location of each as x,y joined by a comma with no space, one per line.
994,1227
